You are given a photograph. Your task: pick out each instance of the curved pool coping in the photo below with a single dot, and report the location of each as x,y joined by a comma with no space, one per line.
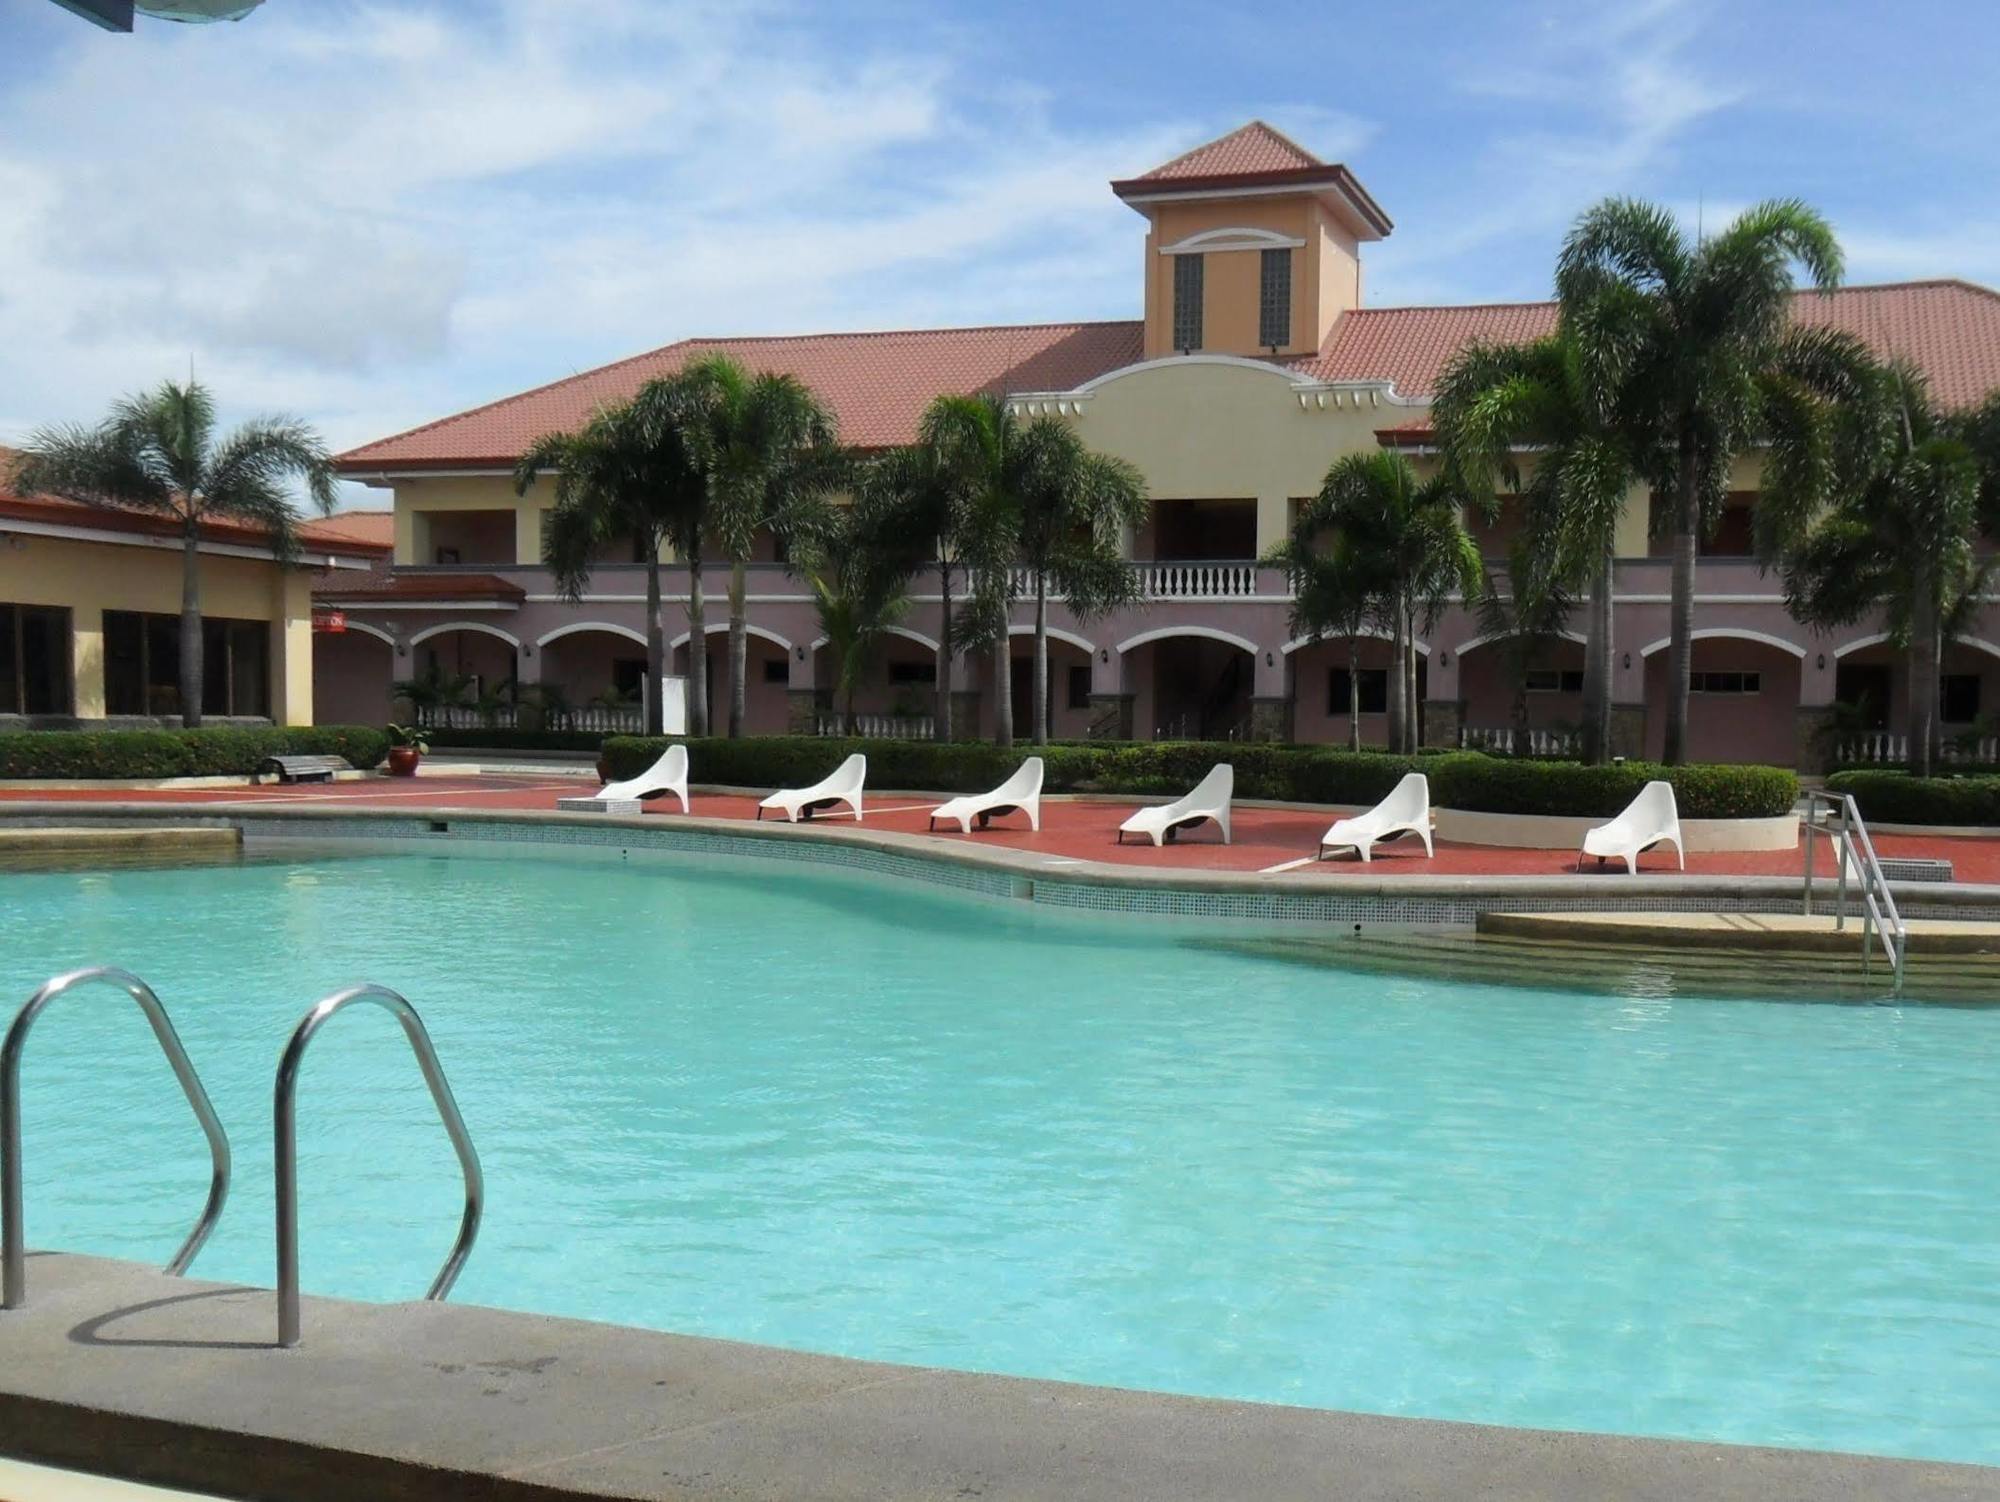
1301,895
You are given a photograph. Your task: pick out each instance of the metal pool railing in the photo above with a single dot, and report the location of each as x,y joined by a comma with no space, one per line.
287,1147
13,1240
1879,918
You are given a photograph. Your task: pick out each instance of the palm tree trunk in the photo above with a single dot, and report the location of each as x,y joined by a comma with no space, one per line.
697,712
191,663
944,650
1396,680
1923,676
1353,694
1597,667
1040,683
1680,654
1413,721
656,642
739,650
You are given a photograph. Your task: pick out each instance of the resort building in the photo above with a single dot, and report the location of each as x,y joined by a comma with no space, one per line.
1257,362
90,604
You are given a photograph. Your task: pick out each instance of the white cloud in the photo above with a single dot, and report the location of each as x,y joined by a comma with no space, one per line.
375,213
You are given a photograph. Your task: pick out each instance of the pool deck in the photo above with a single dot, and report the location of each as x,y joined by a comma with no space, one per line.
122,1370
1818,934
1272,840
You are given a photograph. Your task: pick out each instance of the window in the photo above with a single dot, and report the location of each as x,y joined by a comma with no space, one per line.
1958,698
1374,691
913,672
142,655
1554,680
1274,300
34,659
777,670
1079,686
1864,687
1725,683
628,676
1187,303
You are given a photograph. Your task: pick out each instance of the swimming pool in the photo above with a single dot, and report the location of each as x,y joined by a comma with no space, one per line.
856,1116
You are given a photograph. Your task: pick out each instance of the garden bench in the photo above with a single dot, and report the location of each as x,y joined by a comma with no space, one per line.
302,768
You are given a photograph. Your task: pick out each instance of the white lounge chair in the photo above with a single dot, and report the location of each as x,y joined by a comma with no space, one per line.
1022,791
667,775
1407,810
844,786
1209,800
1648,820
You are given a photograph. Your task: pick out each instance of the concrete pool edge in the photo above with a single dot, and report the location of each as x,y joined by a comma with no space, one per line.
1297,895
123,1370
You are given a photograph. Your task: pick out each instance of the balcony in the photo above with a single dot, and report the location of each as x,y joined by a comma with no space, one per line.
1193,579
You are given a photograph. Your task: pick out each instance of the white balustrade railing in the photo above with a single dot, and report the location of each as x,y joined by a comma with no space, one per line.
1191,580
879,727
1509,740
1873,747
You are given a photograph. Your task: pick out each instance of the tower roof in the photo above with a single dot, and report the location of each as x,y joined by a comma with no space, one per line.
1256,158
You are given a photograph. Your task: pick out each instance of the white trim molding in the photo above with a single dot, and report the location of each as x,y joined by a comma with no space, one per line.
1492,636
1731,633
903,631
1055,633
1207,633
1881,636
1235,237
365,629
1300,643
605,626
443,626
720,627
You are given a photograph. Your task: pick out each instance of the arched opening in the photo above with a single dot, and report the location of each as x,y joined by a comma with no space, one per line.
1502,689
1188,686
1320,689
352,674
593,678
1068,685
462,678
1743,701
766,678
1872,689
895,695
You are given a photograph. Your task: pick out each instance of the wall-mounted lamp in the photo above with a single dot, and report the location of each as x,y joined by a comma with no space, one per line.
1269,659
1628,662
802,654
527,649
1822,662
1104,654
1444,659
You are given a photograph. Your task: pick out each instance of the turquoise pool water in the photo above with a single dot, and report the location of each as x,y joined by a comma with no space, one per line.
879,1120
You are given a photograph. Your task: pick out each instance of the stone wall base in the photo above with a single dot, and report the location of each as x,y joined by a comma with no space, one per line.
1271,718
1111,717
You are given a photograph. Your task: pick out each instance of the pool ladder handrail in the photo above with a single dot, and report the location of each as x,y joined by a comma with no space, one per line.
287,1149
1879,917
13,1250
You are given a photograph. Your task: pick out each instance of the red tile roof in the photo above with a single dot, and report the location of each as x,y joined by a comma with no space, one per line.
877,384
1950,329
1255,147
345,534
383,587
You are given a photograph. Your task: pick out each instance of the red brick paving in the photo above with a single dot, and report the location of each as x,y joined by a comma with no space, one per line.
1085,830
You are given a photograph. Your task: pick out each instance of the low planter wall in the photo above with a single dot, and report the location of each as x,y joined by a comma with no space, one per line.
1547,832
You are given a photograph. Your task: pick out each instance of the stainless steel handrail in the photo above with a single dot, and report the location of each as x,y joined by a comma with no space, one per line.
288,1147
1879,917
13,1253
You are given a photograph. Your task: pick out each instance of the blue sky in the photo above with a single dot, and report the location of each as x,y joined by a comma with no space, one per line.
373,214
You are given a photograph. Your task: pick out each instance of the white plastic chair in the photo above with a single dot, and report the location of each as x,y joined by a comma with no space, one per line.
667,775
844,786
1022,791
1648,820
1407,810
1209,800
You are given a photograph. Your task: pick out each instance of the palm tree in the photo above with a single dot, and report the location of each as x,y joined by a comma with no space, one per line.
765,444
1331,597
624,478
1685,334
1902,536
927,506
1496,402
158,452
1405,538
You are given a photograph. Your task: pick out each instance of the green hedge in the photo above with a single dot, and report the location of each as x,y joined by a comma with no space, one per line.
518,740
1898,798
1296,774
220,752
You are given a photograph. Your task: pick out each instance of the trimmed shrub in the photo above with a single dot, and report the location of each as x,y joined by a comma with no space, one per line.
225,751
518,740
1898,798
1468,780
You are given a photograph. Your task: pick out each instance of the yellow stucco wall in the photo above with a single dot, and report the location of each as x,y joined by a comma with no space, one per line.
91,577
416,498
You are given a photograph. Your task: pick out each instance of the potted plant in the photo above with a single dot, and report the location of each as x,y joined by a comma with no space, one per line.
407,746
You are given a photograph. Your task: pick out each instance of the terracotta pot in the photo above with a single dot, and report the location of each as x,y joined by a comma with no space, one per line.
603,770
403,761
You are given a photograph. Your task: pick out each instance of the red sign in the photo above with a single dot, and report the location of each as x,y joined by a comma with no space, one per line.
330,620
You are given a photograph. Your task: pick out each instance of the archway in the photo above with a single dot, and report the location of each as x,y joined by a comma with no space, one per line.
1743,698
593,677
766,677
1190,683
1499,692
